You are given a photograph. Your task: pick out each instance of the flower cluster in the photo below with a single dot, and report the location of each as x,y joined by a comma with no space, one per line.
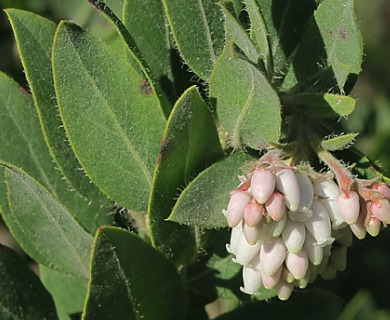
290,224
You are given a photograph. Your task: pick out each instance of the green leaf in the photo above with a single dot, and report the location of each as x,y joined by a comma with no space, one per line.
190,143
34,37
247,106
312,304
146,23
330,50
285,22
133,54
322,105
339,142
130,280
258,33
22,294
202,201
44,228
23,145
201,45
68,292
236,34
111,115
361,306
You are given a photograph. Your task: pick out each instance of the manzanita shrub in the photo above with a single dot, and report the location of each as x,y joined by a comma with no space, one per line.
203,161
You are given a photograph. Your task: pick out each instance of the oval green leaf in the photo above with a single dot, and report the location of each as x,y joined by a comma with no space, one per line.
201,203
68,292
201,45
44,228
23,145
259,34
322,105
137,281
111,115
339,142
190,143
22,294
34,37
146,23
247,106
330,50
236,34
285,22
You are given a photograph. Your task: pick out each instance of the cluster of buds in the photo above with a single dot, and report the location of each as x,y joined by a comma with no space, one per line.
291,223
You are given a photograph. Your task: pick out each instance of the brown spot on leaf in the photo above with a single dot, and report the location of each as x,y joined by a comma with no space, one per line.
145,87
164,149
343,34
330,32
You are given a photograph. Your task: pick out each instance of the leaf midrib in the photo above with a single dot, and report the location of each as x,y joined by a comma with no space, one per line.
208,33
245,108
34,156
113,117
55,223
125,279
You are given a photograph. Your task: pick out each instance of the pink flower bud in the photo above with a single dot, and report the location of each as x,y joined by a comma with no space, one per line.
319,224
297,263
329,191
275,206
284,290
293,235
373,226
236,207
262,185
313,250
381,210
272,256
287,183
253,213
251,234
349,206
270,282
306,192
383,188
